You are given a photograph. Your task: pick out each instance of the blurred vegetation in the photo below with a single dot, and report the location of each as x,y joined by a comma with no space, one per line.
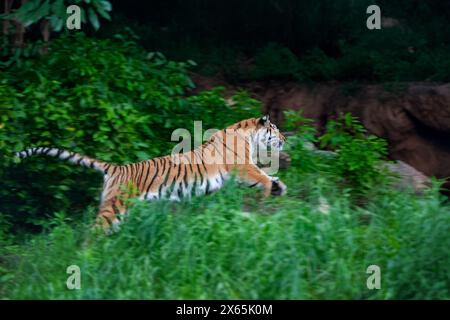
38,19
296,40
55,12
108,99
358,154
119,99
314,243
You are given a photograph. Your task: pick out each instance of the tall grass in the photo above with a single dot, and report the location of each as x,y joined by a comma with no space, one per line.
311,244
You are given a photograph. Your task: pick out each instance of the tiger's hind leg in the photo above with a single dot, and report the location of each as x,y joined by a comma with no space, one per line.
112,213
121,207
107,217
114,207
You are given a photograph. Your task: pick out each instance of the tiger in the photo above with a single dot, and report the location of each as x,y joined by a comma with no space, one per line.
229,152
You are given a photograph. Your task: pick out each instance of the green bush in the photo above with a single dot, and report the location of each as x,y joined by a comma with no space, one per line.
301,143
316,66
108,99
358,155
275,61
311,244
352,156
297,40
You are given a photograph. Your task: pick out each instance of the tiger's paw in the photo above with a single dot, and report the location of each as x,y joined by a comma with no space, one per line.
278,187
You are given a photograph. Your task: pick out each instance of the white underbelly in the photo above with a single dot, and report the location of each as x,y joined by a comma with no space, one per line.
180,190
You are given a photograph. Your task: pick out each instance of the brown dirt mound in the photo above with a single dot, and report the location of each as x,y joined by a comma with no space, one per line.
413,117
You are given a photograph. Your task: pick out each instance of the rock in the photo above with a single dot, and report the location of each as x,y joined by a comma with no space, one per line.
413,117
405,176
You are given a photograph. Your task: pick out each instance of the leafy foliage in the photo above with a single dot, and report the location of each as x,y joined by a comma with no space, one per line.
275,61
358,154
301,142
353,156
298,40
54,11
103,98
311,244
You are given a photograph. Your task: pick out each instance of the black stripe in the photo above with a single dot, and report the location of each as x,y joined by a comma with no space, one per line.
203,164
220,154
175,178
154,176
148,172
132,171
207,187
166,177
200,174
225,144
185,177
125,168
182,175
140,170
113,182
179,192
59,153
178,172
192,174
190,166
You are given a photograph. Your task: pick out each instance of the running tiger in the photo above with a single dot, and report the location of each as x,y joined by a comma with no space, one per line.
196,172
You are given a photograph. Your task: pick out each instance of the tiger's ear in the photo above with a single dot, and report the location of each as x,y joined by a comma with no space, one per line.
264,121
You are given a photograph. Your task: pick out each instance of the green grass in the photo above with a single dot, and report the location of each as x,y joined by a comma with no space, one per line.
311,244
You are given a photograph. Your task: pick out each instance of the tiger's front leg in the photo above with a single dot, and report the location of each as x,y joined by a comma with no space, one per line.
253,176
278,187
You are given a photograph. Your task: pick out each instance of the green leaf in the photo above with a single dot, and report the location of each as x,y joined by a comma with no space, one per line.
83,15
59,9
192,63
56,23
106,5
103,13
32,12
93,19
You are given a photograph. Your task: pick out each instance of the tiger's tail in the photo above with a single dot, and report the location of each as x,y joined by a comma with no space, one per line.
68,156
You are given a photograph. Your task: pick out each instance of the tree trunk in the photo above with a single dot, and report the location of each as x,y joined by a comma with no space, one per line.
6,8
45,31
20,31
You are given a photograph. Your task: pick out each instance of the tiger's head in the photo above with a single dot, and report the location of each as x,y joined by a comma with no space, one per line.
267,135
